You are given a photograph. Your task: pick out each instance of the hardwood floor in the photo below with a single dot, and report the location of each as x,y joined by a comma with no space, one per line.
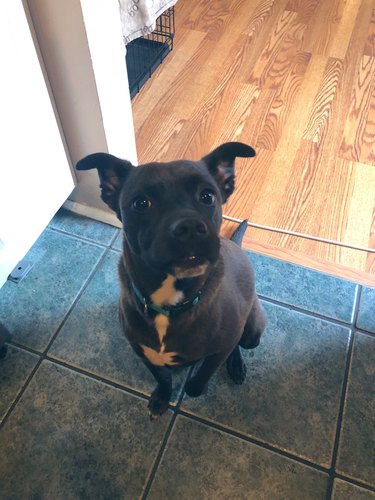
296,80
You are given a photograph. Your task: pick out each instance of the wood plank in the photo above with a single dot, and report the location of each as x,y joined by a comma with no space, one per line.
280,40
306,9
367,154
209,17
261,20
317,126
261,31
369,49
350,78
283,102
341,39
355,134
214,124
280,173
360,214
323,26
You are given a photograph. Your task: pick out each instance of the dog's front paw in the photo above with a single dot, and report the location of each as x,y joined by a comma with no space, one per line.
158,404
236,370
194,388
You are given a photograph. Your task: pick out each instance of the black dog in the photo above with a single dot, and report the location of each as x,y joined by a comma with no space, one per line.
187,294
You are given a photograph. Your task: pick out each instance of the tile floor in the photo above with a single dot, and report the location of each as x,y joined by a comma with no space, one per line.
73,397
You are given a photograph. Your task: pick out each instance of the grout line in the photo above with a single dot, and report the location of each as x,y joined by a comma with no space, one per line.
20,394
77,298
344,389
116,385
357,303
340,417
159,457
365,332
81,238
355,482
98,378
271,448
243,437
270,300
117,232
22,347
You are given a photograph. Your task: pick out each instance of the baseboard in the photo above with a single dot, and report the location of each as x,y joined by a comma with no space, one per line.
92,213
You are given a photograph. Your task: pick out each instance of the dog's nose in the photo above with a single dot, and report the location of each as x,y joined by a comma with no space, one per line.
188,229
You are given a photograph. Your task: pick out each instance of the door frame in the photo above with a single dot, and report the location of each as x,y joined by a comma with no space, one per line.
83,52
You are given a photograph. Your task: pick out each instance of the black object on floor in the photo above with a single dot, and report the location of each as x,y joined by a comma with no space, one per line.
4,336
145,54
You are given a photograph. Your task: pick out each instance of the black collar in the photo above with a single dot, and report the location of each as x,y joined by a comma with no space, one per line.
168,311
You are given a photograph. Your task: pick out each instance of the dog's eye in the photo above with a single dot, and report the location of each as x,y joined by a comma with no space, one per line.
141,204
207,197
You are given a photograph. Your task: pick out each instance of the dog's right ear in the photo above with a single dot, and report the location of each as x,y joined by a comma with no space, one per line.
112,173
220,163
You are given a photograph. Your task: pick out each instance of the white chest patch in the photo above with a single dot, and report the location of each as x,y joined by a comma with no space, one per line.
165,295
161,325
159,358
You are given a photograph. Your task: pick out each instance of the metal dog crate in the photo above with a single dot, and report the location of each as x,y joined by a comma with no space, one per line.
146,53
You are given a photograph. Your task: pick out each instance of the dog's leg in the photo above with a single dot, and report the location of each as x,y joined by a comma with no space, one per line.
198,383
236,366
162,394
254,327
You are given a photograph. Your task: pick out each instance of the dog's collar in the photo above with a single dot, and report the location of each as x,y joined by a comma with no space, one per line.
169,311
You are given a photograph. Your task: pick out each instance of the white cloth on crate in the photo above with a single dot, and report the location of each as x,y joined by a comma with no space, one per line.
138,17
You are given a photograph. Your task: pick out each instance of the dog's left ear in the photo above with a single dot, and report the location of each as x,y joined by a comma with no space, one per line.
220,163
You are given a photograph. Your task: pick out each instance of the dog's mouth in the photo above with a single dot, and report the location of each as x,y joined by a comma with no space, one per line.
191,266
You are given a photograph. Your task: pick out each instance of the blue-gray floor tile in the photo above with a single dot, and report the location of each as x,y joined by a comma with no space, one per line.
33,309
92,338
357,443
304,288
366,313
204,463
290,398
15,369
73,437
343,490
77,225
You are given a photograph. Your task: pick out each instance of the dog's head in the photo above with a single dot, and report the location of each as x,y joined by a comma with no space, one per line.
171,212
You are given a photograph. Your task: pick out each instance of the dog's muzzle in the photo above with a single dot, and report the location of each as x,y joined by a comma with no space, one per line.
194,249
